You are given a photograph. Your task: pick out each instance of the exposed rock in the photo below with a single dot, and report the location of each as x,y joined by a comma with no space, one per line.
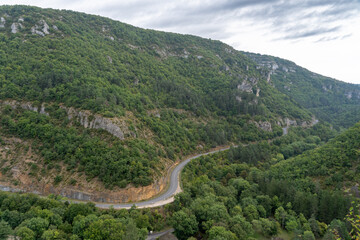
29,106
247,67
21,19
35,31
42,110
348,95
266,126
136,81
289,122
287,88
41,29
274,66
245,86
253,80
55,27
228,50
133,47
2,22
286,123
25,105
258,92
199,57
96,121
186,54
14,27
109,59
104,28
238,99
45,27
129,194
268,79
86,119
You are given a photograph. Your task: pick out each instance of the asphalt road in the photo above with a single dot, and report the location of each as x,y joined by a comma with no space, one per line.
167,196
154,236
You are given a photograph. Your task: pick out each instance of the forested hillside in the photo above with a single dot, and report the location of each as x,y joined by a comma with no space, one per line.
329,99
79,89
253,192
88,102
236,194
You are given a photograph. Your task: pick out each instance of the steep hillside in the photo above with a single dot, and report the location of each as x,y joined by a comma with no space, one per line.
336,164
102,104
330,100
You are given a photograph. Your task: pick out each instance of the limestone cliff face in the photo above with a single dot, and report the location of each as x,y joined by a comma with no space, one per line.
264,125
285,123
115,126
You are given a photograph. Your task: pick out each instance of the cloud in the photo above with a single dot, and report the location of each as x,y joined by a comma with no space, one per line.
317,18
280,19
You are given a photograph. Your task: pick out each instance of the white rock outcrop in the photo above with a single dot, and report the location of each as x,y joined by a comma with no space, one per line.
2,22
42,29
245,86
88,120
115,127
264,125
14,27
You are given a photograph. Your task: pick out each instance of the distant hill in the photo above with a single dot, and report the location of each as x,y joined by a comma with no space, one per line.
329,99
333,164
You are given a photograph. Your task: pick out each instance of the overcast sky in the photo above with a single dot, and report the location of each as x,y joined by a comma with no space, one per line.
320,35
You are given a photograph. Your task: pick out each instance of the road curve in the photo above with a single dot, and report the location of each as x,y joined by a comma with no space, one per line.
164,198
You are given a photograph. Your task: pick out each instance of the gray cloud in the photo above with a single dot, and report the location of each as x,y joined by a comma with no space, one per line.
283,20
280,17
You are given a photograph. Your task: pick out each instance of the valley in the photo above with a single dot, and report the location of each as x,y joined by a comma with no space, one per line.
124,130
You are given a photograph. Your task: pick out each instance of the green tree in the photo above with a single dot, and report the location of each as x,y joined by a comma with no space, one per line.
251,213
5,230
53,234
308,235
280,216
25,233
184,224
220,233
108,229
37,225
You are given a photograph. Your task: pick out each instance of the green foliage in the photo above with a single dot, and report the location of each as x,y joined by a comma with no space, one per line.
184,89
44,218
185,224
220,233
353,217
331,161
111,229
25,233
5,230
259,200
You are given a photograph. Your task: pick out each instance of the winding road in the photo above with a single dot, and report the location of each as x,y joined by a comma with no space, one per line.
167,196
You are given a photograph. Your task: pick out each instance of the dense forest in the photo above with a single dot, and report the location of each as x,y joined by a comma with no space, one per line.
236,194
253,192
31,217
